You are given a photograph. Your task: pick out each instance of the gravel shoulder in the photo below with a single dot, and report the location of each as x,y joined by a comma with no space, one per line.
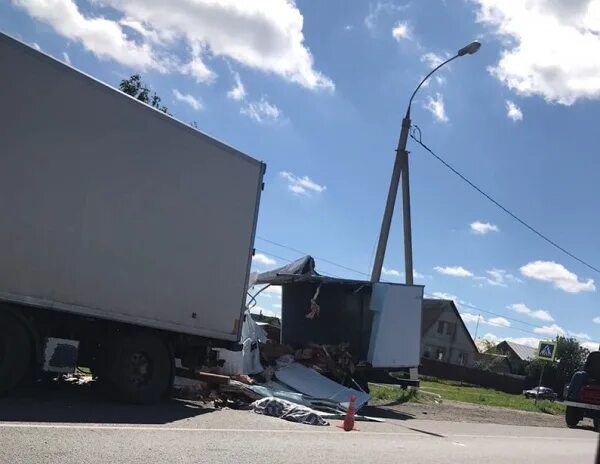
455,411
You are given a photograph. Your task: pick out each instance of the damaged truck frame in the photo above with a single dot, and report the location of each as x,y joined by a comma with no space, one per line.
126,236
380,323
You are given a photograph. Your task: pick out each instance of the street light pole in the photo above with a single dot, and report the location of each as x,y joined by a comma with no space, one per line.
401,170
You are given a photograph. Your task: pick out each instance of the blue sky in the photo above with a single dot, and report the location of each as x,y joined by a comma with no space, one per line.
318,90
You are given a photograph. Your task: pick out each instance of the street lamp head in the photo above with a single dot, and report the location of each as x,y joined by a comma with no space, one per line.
469,49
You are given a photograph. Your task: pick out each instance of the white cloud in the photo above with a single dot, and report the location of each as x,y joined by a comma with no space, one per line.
261,258
513,111
396,273
558,275
276,306
529,341
455,271
348,27
401,31
36,46
447,296
301,185
238,91
494,321
482,228
261,111
152,35
103,37
551,48
592,346
381,8
470,317
580,335
198,69
499,278
274,290
436,107
187,99
66,58
498,322
550,330
432,60
596,320
391,272
540,314
148,34
265,312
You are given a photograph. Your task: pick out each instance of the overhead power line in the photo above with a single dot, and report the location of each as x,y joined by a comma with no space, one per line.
416,136
467,305
303,253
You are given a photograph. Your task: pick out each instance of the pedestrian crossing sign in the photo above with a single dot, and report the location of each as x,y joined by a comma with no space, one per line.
547,351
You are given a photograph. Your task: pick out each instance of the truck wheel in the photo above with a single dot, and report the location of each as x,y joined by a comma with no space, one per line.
597,424
140,370
16,352
572,416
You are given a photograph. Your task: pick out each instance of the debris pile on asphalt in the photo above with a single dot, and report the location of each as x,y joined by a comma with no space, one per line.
305,384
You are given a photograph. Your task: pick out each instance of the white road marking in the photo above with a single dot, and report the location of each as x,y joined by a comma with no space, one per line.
22,425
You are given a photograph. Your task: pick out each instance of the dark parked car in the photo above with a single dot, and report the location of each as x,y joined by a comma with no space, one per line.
542,393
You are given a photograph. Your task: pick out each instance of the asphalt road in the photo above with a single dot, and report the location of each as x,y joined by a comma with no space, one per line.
64,428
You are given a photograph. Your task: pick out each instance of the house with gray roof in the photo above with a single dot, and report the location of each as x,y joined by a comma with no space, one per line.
519,356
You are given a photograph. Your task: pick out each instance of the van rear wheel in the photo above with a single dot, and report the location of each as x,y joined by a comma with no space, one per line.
16,352
140,369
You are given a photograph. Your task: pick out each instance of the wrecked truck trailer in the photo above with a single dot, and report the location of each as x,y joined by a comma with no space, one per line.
379,322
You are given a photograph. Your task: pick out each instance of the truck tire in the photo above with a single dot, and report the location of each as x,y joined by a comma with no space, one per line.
597,424
140,369
572,416
16,352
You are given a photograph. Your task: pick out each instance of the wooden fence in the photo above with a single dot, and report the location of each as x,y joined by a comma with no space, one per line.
508,383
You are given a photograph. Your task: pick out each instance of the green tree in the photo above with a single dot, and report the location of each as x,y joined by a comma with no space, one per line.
135,87
571,357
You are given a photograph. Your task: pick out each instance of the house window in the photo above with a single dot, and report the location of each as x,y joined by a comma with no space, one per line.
439,354
427,353
450,328
440,329
461,358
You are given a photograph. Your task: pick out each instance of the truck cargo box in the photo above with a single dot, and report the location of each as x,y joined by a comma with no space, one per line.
115,210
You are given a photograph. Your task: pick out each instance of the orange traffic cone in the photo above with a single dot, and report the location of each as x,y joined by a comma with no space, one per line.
348,424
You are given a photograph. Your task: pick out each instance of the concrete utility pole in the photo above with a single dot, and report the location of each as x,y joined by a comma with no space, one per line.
401,169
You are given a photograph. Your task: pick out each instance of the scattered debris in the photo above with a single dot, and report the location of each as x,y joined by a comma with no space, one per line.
315,385
286,410
315,309
244,379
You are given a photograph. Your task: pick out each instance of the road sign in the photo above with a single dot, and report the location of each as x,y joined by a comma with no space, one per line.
546,351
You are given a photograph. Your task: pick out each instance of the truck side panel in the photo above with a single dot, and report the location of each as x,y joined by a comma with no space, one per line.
113,209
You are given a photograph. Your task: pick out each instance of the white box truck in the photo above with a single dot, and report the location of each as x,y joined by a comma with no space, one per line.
126,236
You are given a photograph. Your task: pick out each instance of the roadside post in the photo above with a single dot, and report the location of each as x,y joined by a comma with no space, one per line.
546,352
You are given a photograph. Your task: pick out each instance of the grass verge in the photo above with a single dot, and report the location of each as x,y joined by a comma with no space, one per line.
454,391
391,394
